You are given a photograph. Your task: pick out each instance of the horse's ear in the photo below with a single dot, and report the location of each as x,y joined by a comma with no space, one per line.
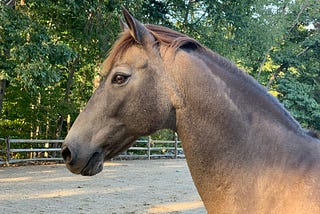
123,25
138,31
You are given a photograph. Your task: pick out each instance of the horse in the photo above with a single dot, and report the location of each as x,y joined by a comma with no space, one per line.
245,152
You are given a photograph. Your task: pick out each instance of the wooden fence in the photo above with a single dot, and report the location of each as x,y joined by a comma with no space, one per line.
26,150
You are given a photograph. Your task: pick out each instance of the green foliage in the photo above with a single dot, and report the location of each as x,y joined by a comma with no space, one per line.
298,55
29,56
31,62
300,99
163,134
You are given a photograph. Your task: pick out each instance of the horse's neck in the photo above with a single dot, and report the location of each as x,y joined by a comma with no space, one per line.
229,138
238,143
225,101
224,110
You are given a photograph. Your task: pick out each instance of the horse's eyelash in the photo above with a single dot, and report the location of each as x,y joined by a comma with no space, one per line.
101,77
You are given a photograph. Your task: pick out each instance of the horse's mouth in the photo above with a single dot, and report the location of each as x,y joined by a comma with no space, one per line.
94,165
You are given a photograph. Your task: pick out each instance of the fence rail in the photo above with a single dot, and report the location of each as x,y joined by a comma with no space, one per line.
49,150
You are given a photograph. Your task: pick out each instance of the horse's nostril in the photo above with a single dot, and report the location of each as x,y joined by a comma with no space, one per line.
66,154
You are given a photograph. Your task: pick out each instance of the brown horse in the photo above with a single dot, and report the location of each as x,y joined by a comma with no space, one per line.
246,154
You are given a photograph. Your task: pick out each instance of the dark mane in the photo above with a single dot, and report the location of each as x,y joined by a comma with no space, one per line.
268,100
163,36
172,38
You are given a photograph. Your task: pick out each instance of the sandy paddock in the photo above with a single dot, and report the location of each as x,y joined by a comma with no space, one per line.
135,186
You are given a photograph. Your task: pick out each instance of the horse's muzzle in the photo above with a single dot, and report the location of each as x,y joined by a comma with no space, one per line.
89,166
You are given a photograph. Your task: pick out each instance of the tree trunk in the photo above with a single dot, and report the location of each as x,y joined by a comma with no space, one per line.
66,96
186,16
10,3
2,92
3,81
275,74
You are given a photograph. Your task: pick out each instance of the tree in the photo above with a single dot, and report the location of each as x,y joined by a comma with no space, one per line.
297,77
30,62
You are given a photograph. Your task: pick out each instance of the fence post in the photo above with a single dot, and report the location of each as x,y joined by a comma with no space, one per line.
149,146
175,145
8,151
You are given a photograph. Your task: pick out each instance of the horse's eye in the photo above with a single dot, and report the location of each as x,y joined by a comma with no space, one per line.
120,79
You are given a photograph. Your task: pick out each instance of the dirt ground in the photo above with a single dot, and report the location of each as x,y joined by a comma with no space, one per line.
135,186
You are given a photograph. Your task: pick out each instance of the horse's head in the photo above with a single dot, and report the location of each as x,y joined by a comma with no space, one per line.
131,101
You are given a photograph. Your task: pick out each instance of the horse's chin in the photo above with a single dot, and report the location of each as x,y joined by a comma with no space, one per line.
94,165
